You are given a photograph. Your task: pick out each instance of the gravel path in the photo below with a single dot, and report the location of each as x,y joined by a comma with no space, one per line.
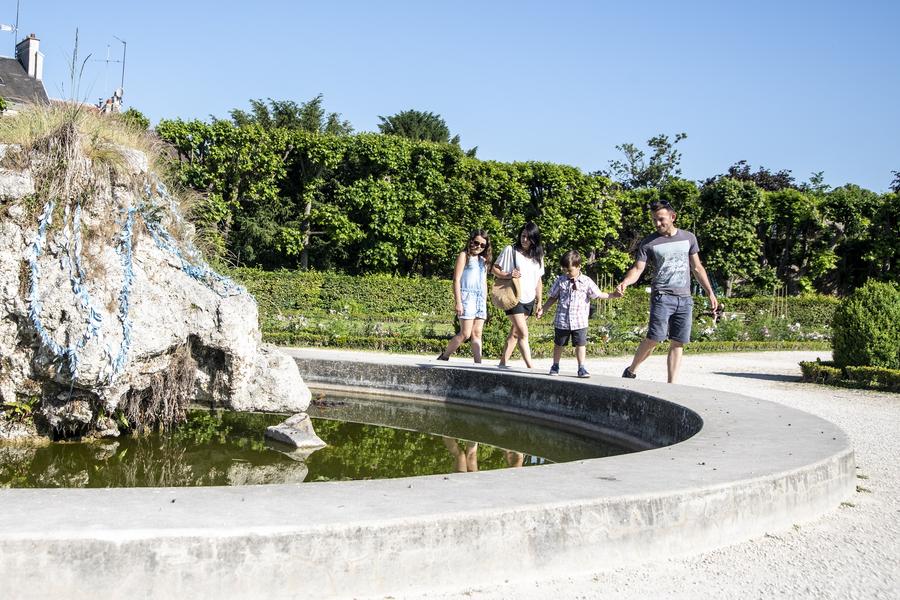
852,552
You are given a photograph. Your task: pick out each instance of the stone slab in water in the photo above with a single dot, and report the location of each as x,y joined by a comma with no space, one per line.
296,431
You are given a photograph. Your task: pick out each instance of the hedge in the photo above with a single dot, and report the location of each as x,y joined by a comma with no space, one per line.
385,294
868,377
808,310
539,348
414,314
866,327
354,295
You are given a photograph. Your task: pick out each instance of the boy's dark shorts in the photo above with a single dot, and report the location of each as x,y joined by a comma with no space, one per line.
526,308
670,318
561,336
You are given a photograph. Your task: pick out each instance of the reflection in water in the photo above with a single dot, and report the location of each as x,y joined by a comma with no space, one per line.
465,460
514,459
226,448
465,455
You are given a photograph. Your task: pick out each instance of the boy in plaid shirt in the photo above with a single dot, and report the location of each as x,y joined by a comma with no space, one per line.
574,292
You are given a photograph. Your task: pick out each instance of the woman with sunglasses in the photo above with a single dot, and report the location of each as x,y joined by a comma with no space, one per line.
524,261
470,292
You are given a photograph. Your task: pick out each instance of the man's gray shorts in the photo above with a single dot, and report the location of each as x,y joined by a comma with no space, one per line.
670,318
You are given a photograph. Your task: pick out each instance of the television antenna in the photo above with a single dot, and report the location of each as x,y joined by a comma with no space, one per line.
13,29
124,48
109,60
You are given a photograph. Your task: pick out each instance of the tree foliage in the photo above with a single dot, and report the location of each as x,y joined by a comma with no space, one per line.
417,125
370,203
637,171
798,239
730,211
762,177
867,327
307,116
277,193
135,119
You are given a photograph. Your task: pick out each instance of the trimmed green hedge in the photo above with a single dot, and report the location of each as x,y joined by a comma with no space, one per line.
411,314
810,310
867,327
384,294
539,348
354,295
868,377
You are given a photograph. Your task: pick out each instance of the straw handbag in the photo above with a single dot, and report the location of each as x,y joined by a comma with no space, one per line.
505,292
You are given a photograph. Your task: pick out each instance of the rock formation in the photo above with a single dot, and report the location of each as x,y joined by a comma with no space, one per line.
109,317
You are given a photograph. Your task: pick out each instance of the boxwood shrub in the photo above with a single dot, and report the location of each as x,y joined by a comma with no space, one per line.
866,327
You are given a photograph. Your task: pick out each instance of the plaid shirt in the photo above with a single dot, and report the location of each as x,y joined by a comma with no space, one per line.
573,301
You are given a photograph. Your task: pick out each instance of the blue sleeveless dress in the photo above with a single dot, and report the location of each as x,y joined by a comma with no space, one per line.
472,285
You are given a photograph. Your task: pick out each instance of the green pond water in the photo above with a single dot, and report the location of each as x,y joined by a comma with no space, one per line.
368,438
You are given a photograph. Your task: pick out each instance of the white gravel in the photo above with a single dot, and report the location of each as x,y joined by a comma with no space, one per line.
852,552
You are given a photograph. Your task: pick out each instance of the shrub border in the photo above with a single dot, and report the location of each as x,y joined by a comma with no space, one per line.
827,372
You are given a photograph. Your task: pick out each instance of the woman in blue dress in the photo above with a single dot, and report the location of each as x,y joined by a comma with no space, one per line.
470,292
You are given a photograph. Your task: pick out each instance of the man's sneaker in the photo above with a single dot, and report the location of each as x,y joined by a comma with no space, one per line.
554,369
627,374
582,372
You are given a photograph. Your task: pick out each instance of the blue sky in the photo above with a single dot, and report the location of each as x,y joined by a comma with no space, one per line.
807,86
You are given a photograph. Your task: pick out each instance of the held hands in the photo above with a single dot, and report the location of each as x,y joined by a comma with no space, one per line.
620,290
539,312
615,294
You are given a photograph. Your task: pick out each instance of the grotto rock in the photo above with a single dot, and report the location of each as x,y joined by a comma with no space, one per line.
105,300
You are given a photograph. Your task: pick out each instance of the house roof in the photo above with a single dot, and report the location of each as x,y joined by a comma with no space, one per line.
17,87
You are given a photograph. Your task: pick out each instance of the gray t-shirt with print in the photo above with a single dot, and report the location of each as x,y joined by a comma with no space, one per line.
670,257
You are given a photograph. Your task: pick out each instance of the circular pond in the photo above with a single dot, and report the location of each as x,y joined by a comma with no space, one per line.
367,437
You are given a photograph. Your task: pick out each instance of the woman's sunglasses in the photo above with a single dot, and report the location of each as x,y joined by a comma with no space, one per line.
478,244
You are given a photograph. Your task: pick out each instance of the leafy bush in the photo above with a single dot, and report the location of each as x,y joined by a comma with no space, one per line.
820,372
808,310
866,327
868,377
415,314
877,377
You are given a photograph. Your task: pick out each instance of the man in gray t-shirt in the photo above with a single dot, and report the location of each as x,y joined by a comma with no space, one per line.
674,254
670,256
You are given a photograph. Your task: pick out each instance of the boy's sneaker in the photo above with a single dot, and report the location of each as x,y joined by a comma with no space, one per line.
582,372
554,369
627,374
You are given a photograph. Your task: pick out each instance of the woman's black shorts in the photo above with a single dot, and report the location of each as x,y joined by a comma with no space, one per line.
522,308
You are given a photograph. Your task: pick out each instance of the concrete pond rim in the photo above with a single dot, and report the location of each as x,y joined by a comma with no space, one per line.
724,468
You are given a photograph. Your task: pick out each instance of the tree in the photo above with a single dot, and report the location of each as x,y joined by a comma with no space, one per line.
135,119
238,171
636,172
763,177
895,185
798,241
417,125
854,211
731,210
308,116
